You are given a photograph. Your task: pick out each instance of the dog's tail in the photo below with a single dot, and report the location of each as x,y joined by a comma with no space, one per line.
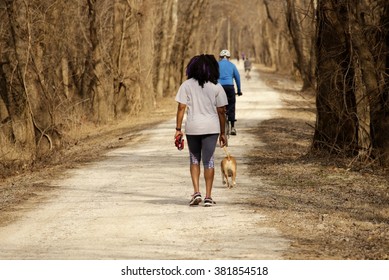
227,153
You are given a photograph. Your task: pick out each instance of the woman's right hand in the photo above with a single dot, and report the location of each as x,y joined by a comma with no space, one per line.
178,133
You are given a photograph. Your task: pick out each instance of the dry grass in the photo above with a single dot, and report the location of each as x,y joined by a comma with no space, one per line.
328,209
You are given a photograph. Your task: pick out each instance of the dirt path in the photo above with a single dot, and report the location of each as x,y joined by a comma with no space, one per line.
132,204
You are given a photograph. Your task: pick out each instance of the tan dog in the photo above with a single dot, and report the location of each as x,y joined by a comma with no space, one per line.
228,167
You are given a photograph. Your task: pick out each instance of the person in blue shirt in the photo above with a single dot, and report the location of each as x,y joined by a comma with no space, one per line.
229,73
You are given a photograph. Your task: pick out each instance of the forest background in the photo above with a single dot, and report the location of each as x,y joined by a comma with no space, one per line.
65,65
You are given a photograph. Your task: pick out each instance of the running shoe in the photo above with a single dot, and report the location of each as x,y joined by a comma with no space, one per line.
208,201
233,131
196,199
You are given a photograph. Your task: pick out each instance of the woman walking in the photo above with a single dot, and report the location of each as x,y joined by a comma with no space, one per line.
204,100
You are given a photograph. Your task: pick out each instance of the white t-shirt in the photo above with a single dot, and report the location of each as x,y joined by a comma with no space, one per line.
202,103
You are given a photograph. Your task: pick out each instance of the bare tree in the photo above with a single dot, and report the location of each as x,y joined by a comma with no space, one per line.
351,94
300,25
335,101
61,67
15,77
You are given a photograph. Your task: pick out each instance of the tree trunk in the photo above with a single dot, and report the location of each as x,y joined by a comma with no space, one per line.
165,33
335,101
146,55
380,115
365,83
350,96
120,60
100,83
301,44
15,93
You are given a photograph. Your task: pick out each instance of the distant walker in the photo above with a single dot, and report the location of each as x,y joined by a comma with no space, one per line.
247,68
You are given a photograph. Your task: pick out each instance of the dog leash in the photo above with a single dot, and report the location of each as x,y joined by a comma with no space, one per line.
227,153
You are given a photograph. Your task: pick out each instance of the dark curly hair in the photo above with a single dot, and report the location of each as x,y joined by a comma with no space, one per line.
203,68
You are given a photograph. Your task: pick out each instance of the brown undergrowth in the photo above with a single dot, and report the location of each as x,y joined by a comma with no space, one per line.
328,208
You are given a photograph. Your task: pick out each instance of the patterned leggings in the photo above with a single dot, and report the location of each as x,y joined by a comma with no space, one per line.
202,146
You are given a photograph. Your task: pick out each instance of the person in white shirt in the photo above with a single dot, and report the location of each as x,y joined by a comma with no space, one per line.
204,101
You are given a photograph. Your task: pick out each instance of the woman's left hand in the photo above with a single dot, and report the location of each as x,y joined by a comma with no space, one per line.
222,140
